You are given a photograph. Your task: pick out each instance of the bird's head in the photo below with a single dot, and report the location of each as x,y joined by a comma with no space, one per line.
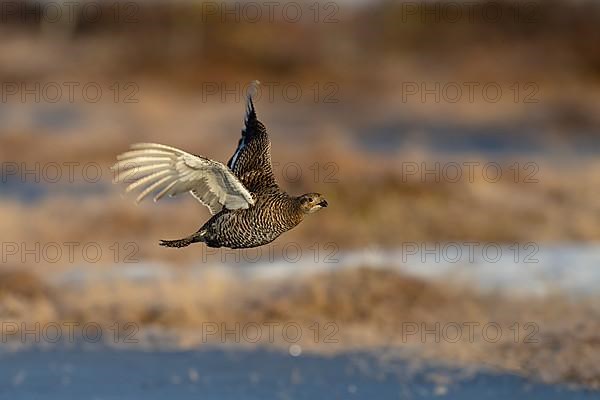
312,202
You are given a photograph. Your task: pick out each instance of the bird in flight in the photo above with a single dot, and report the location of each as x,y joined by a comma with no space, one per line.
248,207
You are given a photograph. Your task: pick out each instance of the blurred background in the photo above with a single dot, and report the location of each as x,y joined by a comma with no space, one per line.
456,142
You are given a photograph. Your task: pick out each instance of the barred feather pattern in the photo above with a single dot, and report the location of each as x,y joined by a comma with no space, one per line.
251,162
273,214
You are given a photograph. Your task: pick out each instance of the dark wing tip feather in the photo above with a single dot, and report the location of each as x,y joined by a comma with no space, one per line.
250,111
252,126
251,118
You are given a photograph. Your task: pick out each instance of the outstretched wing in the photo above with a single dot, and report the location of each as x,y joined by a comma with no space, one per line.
165,170
251,162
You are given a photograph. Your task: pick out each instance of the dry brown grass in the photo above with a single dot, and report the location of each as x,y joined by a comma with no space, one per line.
371,203
370,308
25,297
22,284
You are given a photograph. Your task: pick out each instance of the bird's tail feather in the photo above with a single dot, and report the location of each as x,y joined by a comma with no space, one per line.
195,238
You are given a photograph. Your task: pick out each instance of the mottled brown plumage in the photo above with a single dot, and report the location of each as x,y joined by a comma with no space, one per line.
248,205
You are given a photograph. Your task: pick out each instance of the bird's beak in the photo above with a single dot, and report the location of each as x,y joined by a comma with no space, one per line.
323,203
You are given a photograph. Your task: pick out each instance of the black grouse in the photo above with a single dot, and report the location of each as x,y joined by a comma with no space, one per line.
248,206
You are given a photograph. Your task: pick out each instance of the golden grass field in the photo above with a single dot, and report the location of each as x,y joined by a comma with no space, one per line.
362,308
368,152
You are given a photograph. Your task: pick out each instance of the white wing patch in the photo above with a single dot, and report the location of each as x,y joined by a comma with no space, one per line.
237,153
165,170
242,143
